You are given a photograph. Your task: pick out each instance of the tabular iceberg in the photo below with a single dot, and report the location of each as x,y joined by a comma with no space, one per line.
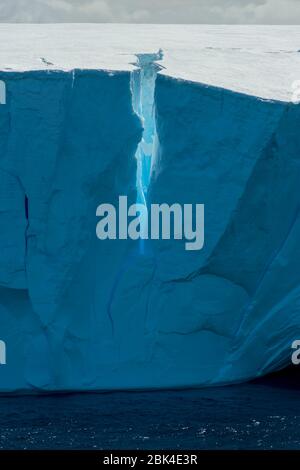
77,313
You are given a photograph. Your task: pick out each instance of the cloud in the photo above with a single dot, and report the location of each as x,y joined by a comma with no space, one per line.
152,11
278,11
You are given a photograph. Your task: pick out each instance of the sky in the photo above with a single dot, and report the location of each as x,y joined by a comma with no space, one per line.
151,11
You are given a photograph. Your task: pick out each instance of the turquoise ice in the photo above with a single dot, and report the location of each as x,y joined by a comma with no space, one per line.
77,313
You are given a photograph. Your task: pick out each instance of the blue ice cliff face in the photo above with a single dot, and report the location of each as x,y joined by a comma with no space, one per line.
77,313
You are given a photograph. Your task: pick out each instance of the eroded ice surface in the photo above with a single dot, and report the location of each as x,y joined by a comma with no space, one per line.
77,313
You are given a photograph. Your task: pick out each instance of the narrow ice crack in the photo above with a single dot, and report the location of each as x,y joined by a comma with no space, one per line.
143,89
143,81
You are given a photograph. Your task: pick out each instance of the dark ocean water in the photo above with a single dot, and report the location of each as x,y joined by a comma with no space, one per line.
260,415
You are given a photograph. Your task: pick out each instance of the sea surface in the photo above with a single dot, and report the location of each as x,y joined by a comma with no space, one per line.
264,414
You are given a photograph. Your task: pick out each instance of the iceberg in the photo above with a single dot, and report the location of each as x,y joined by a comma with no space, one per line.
87,119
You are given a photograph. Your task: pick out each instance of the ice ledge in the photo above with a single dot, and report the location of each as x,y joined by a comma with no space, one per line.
256,60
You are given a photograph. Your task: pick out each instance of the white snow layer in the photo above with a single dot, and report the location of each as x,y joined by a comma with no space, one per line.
263,61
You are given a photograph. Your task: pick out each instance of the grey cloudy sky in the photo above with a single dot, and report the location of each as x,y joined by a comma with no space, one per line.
151,11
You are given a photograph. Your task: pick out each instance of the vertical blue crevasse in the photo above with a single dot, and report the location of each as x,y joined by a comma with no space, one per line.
143,89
